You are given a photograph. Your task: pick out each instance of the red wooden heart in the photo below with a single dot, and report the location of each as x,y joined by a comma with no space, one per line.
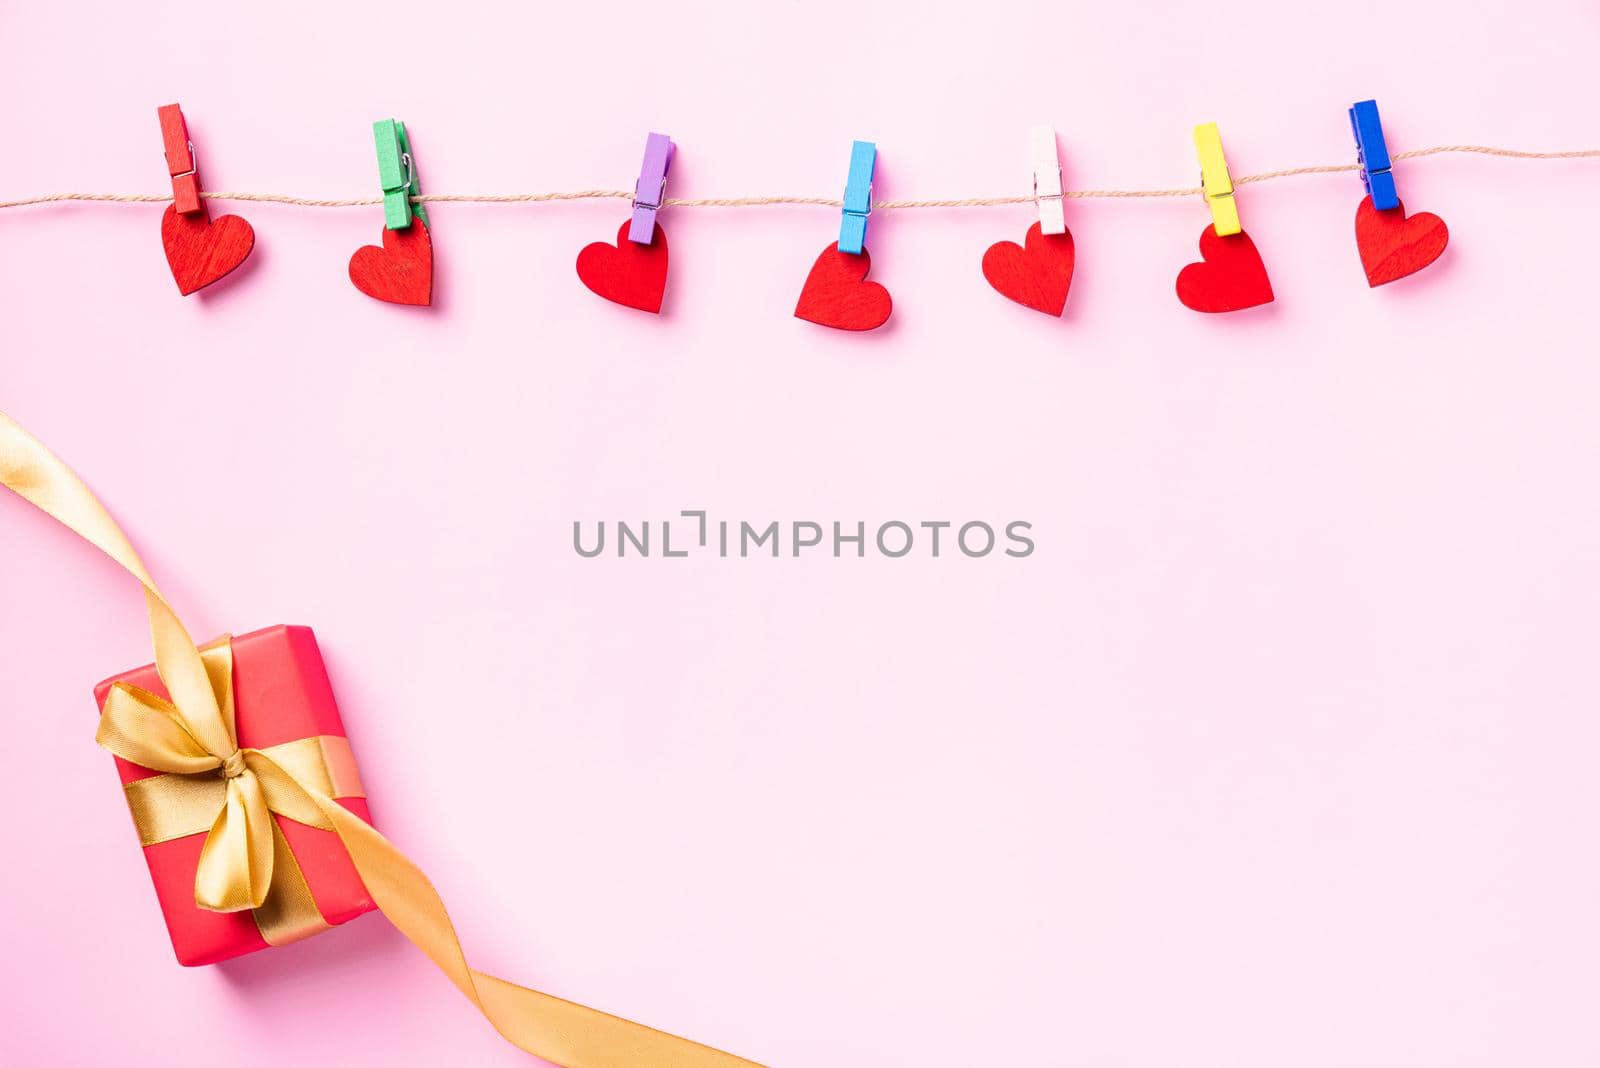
837,294
1393,246
628,273
401,272
1036,275
1231,277
200,249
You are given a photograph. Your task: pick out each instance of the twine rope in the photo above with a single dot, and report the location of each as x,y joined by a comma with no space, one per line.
772,201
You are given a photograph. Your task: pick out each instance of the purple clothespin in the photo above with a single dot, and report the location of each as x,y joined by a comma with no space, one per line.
651,191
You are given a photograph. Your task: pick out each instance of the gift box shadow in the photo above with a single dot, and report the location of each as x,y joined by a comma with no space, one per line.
365,944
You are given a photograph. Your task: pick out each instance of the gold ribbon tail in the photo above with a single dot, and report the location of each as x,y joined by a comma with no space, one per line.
560,1031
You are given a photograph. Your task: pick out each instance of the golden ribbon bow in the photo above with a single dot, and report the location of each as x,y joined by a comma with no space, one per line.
245,862
236,861
194,733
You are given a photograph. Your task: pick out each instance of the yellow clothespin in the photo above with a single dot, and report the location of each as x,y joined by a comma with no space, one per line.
1217,182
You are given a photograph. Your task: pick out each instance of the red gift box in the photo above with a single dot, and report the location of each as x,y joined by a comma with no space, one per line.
281,694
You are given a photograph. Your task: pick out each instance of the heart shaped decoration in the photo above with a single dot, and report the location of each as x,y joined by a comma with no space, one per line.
1035,274
401,272
200,249
1392,245
1231,277
837,294
627,273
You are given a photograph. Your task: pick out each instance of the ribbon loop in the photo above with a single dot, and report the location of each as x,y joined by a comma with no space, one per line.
143,729
235,867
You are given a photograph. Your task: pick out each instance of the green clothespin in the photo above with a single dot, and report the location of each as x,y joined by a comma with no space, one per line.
397,174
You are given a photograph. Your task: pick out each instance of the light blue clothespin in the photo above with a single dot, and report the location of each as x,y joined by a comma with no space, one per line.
858,197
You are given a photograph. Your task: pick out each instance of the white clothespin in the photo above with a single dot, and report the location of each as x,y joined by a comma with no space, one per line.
1047,189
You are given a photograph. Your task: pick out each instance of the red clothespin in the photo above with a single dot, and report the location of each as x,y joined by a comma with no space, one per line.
199,249
180,159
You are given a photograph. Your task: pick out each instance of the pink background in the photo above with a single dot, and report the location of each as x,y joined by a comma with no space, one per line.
1279,750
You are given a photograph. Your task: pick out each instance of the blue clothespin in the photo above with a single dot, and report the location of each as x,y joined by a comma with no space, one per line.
858,197
1373,154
